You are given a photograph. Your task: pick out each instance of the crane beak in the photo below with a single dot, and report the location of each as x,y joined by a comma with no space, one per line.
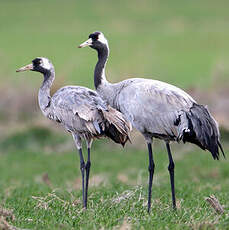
86,43
25,68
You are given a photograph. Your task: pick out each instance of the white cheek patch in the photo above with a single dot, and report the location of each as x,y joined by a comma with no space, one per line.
45,63
102,39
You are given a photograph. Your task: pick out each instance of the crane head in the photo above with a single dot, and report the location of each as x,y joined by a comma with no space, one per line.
39,64
96,40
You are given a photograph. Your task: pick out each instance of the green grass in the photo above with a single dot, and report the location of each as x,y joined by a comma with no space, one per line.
118,189
182,42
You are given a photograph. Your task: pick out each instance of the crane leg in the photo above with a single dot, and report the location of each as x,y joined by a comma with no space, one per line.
87,167
171,173
151,172
82,169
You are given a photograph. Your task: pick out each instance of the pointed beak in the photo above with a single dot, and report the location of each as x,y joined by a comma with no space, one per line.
86,43
25,68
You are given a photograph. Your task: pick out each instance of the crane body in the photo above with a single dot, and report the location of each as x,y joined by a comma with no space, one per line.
157,110
82,112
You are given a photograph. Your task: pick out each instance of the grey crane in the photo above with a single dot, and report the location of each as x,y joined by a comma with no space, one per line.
157,110
82,112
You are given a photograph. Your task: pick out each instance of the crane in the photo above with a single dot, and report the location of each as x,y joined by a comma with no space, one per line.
82,112
157,110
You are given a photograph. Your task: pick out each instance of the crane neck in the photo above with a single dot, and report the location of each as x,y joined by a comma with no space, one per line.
44,97
99,72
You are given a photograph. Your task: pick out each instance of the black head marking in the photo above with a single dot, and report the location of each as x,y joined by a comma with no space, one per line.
95,36
39,67
98,41
36,61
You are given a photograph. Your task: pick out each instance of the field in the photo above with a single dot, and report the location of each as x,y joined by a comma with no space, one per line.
43,188
181,42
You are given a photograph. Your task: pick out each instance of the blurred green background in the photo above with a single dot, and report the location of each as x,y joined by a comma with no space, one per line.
184,43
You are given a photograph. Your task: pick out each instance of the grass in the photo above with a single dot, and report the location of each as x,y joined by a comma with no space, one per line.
43,189
181,42
184,43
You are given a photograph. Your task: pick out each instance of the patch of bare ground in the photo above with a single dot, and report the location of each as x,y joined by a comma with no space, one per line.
215,204
6,216
4,225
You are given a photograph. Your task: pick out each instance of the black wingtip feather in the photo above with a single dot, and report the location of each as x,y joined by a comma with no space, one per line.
203,130
221,148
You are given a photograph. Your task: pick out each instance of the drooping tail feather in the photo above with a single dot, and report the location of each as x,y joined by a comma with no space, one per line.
221,148
117,127
203,130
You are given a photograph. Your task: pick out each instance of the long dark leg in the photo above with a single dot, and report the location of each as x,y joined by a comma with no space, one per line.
151,172
82,168
171,173
87,167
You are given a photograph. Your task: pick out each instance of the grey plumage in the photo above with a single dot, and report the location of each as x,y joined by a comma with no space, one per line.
204,130
81,111
156,109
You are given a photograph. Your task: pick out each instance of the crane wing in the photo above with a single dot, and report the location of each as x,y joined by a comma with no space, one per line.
78,108
153,105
